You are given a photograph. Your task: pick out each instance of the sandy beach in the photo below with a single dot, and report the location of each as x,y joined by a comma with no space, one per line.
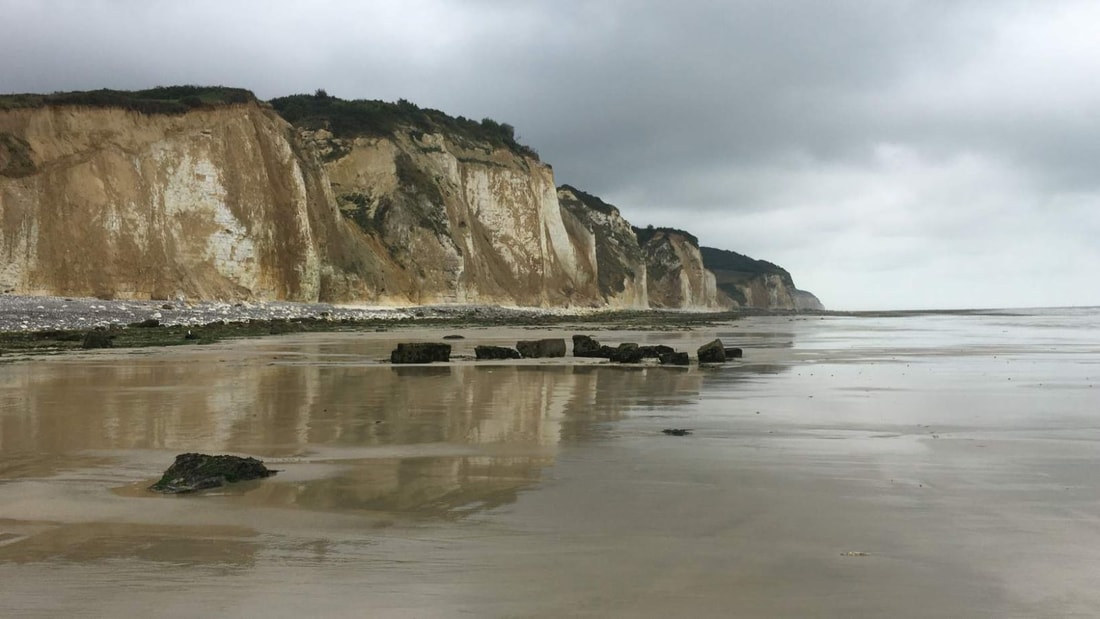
917,466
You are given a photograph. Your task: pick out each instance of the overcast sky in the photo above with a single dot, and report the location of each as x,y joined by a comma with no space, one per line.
890,154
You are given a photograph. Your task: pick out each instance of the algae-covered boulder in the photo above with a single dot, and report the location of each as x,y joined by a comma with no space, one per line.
655,352
734,353
674,358
421,352
627,353
193,471
712,352
495,352
585,346
534,349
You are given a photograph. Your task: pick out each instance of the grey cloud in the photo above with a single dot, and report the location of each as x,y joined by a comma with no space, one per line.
766,124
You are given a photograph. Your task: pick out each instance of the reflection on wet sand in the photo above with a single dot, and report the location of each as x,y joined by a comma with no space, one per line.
467,437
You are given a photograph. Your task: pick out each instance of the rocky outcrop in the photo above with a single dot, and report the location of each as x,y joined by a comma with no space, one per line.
676,277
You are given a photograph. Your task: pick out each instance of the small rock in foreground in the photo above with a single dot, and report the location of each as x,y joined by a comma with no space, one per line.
676,431
193,471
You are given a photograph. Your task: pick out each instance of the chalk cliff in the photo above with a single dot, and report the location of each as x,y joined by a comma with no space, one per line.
745,282
675,272
610,244
210,194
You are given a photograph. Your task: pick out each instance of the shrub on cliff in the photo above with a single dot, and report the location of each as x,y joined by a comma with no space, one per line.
362,117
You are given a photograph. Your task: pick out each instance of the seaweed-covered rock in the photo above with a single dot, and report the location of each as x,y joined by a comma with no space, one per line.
585,346
627,353
674,358
533,349
495,352
193,471
97,338
712,352
655,352
734,353
421,352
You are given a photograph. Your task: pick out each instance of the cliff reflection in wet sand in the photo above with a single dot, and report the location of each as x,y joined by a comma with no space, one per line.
436,440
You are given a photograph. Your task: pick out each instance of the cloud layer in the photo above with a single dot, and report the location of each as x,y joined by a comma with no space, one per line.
890,154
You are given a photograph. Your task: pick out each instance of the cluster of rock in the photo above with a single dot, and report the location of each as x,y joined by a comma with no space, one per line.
583,346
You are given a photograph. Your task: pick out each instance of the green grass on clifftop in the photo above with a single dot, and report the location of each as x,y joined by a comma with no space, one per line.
159,100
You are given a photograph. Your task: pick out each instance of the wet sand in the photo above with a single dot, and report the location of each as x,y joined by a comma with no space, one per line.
927,466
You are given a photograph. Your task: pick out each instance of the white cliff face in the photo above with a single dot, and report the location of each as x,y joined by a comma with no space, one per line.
208,205
485,225
607,241
677,278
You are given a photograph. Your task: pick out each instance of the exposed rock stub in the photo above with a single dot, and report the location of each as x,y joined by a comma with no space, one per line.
495,352
535,349
585,346
421,352
655,352
194,471
712,352
734,353
674,358
627,353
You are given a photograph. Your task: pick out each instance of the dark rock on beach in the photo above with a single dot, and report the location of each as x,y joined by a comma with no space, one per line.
712,352
627,353
674,358
534,349
454,337
585,346
495,352
421,352
193,471
676,431
734,353
655,352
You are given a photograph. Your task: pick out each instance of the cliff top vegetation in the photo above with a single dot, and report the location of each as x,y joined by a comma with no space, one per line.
159,100
591,201
361,117
647,233
724,260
